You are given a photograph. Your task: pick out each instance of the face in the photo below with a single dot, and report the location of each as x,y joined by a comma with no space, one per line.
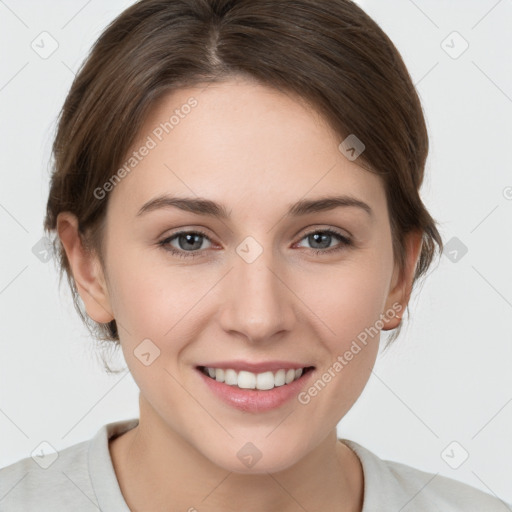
264,284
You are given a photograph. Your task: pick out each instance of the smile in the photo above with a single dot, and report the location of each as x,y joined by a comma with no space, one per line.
261,381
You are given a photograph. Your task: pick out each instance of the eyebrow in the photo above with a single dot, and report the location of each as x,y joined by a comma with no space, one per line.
202,206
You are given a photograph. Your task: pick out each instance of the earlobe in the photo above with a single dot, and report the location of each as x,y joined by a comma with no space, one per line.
401,291
86,269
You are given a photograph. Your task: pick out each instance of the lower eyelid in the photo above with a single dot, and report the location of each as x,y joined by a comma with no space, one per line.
343,239
167,241
344,242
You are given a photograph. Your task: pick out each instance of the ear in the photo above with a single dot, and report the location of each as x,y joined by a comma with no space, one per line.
401,286
86,269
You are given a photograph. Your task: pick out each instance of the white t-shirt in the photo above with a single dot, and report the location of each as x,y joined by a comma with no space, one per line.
82,478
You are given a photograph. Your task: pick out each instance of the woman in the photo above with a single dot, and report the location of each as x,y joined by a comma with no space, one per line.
236,199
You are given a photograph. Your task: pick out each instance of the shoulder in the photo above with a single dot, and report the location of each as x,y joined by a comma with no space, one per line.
432,491
405,488
79,477
49,481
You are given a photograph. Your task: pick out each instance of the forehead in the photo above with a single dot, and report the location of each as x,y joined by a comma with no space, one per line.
242,144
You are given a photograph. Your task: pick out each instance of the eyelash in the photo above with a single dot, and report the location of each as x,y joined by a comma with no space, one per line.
345,242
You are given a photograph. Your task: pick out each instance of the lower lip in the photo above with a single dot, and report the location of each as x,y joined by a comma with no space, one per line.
254,400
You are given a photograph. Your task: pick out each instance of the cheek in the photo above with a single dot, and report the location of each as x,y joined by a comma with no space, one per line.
147,300
352,296
350,305
152,304
155,300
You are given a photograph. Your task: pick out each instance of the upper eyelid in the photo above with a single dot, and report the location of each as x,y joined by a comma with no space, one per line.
306,233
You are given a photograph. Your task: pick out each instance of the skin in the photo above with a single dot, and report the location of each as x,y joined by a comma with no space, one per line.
257,151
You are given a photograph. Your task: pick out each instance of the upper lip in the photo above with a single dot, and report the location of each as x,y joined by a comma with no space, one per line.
265,366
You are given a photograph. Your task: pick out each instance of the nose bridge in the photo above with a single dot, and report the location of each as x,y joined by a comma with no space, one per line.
257,303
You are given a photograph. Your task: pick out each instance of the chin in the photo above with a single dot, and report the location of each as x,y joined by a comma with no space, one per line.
246,458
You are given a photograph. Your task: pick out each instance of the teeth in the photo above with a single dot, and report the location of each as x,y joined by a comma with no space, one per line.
246,380
250,380
230,377
280,378
265,380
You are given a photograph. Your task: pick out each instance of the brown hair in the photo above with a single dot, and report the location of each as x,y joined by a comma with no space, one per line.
327,52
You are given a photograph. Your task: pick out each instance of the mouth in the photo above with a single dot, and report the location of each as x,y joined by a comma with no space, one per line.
252,381
269,387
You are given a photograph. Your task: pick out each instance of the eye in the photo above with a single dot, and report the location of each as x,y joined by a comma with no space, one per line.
189,243
323,238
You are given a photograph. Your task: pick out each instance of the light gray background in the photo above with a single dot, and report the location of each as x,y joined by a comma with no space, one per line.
448,377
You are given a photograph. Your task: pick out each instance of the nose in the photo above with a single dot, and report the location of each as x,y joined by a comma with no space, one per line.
258,304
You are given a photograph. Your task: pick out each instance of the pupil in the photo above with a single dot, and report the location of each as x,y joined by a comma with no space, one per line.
190,240
320,235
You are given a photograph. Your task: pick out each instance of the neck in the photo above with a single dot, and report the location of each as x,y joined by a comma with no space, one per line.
155,467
